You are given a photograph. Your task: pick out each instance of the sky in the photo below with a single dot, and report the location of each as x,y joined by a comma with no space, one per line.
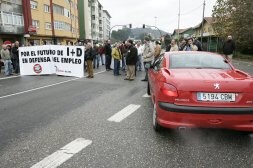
160,13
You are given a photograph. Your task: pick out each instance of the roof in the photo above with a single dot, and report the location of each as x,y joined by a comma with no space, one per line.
105,11
180,30
209,20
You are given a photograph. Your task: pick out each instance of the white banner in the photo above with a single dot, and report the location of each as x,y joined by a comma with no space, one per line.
52,59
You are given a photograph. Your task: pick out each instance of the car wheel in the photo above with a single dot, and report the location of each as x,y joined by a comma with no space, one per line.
156,125
148,89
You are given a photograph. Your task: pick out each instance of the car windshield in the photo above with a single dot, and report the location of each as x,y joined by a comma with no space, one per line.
198,61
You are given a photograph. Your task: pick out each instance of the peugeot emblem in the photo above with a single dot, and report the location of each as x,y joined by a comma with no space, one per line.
216,86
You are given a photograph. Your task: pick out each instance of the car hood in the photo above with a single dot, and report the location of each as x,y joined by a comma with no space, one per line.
205,79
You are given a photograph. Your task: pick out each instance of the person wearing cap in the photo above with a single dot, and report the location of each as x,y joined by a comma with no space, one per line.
148,56
6,57
190,46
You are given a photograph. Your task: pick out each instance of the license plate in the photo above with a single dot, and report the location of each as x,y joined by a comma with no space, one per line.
225,97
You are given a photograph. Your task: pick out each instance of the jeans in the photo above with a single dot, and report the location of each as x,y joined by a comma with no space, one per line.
7,67
102,59
108,62
116,67
124,62
96,61
139,63
146,69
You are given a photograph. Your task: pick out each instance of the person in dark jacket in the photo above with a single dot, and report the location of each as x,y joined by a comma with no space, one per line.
197,43
108,55
131,60
89,59
15,54
228,48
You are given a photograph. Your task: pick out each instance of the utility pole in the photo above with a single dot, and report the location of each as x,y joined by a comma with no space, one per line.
178,22
52,21
202,26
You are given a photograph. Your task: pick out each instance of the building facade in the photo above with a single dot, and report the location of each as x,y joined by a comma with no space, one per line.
11,20
106,25
57,27
84,12
95,5
94,21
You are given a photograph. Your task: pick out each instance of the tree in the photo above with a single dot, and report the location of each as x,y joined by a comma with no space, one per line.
121,34
235,17
142,36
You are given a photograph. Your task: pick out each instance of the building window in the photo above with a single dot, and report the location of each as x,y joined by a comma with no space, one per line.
47,8
36,23
93,17
12,19
7,18
66,13
58,9
48,26
34,4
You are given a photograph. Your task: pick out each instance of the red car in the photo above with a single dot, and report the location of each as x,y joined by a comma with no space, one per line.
200,90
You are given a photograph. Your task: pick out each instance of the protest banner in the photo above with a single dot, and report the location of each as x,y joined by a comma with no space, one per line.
52,59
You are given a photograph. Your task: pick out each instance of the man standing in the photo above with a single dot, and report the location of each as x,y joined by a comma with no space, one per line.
139,61
131,60
89,59
15,55
6,56
116,54
228,48
108,55
148,56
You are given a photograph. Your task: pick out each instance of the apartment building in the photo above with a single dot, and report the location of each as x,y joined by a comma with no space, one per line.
84,12
107,25
11,20
64,19
94,21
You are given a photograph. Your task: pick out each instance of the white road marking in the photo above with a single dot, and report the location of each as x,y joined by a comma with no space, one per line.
124,113
43,87
146,95
56,159
9,77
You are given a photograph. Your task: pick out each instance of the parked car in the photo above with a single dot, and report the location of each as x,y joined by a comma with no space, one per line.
200,90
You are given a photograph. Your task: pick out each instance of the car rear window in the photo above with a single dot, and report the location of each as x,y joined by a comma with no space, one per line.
198,61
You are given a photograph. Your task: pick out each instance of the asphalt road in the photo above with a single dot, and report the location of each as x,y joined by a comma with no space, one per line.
63,121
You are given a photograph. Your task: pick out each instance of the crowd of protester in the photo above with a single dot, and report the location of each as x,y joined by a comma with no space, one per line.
127,56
